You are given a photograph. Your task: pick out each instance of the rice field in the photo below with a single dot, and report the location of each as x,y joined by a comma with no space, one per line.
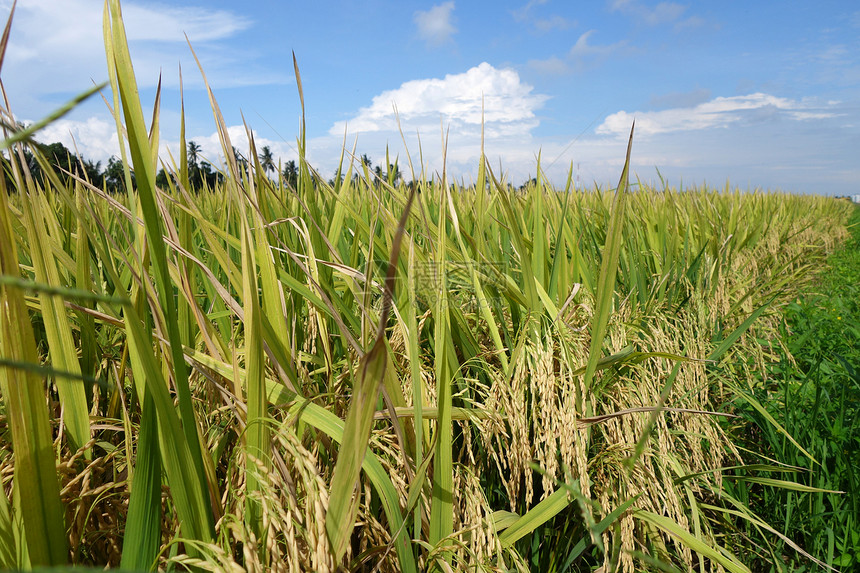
379,375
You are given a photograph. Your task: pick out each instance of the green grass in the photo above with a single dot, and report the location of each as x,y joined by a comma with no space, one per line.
813,390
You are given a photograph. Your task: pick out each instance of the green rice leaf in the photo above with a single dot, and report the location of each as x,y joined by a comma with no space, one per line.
723,557
35,476
257,431
608,269
733,337
442,496
749,399
343,501
142,535
535,517
780,483
179,441
63,353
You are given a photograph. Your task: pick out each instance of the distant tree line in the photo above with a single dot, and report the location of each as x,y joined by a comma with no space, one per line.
201,173
66,164
63,162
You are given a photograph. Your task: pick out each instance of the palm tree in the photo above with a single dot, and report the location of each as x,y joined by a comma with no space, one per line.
194,177
193,154
393,174
291,173
267,160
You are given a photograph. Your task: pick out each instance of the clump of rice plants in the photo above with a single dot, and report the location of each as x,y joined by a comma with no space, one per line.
307,376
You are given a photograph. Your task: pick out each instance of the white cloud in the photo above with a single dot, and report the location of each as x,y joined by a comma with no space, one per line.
691,22
662,13
746,141
94,138
665,12
210,146
56,48
719,112
435,26
454,103
554,22
581,56
521,14
583,49
171,24
457,99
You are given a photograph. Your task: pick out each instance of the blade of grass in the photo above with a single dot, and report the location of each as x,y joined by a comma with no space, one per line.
4,41
64,355
417,382
749,399
35,475
334,427
8,545
784,484
142,535
608,270
343,501
84,282
188,492
598,529
442,500
535,517
733,337
184,458
725,559
257,434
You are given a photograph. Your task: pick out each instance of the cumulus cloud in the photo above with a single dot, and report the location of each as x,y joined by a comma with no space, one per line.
457,99
94,138
435,26
453,103
719,112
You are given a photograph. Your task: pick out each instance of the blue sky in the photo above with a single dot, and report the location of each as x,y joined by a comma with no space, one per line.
764,94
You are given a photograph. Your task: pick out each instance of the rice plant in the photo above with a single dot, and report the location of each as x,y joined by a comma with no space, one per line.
379,375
